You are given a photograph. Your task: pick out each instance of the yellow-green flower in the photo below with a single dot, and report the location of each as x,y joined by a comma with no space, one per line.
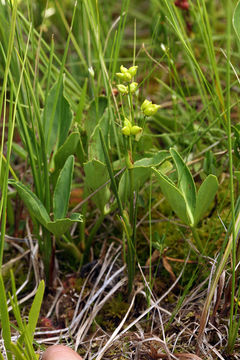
133,87
145,104
127,74
135,130
128,129
124,76
123,89
123,69
148,108
127,122
133,70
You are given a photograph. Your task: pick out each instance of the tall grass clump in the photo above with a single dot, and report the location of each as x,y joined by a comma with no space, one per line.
8,112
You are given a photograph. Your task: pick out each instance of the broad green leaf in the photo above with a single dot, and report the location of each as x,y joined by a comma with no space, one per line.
81,104
80,151
5,322
35,310
94,145
141,173
60,226
156,160
94,116
205,196
67,149
173,195
165,167
19,150
71,249
32,202
110,171
56,124
236,20
96,175
185,183
62,189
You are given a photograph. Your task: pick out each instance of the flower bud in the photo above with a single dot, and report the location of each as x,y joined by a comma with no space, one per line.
145,104
123,69
91,71
124,76
133,70
127,122
135,130
122,89
133,87
151,109
163,47
126,130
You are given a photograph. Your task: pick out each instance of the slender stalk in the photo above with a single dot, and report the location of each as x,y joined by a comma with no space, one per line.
231,338
197,239
150,238
130,103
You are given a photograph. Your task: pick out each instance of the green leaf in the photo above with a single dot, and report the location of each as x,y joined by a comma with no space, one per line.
173,195
155,160
96,175
185,183
14,304
5,322
93,118
62,189
17,149
205,196
236,20
141,173
57,125
94,145
19,354
35,310
60,226
71,249
110,172
81,104
32,202
67,149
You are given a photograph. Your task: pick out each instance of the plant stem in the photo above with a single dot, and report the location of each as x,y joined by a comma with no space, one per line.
231,337
197,239
130,103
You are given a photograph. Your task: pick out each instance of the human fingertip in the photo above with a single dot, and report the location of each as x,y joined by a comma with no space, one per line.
60,352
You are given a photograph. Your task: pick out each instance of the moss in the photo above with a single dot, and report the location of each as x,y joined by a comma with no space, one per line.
112,313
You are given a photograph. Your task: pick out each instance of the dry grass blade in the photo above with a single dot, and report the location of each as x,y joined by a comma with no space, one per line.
214,284
181,356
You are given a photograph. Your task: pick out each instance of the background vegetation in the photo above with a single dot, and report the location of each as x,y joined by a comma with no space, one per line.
127,210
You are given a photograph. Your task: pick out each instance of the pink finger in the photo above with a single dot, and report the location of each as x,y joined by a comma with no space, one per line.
60,352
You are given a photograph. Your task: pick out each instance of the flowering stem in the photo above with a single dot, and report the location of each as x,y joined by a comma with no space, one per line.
130,103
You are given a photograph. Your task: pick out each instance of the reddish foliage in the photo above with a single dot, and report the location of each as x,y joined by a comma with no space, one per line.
182,4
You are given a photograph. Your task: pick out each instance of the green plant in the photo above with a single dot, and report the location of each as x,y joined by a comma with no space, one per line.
230,244
189,205
44,134
137,171
24,348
